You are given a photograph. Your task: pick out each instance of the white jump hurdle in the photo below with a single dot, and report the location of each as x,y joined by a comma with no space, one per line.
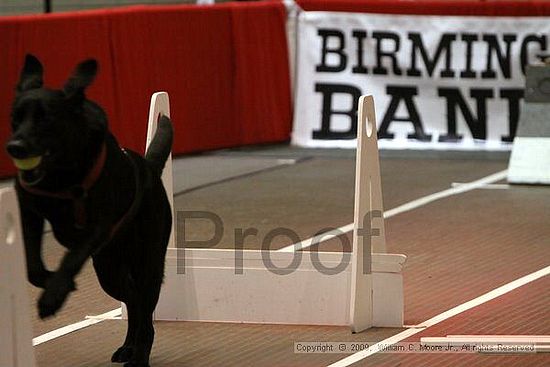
15,332
530,159
356,293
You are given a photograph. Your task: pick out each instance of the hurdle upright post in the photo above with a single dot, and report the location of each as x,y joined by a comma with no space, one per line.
368,231
160,105
16,348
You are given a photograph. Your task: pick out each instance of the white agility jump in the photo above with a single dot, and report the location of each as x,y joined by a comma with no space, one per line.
361,289
15,332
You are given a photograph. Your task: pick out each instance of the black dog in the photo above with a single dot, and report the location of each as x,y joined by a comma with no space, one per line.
102,201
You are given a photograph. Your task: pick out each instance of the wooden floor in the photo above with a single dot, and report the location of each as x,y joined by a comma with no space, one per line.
458,248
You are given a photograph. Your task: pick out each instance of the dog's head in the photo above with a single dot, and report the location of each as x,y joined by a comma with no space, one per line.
55,131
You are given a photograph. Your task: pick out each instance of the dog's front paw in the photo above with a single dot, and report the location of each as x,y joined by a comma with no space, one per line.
122,354
53,297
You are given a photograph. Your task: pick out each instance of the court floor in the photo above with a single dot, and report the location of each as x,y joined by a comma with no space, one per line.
461,247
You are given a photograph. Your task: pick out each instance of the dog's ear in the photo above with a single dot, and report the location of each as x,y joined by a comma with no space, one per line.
31,74
81,78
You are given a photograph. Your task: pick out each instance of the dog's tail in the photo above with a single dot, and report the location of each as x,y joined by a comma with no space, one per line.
161,145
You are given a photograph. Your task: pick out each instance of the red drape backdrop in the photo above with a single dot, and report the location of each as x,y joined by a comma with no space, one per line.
225,68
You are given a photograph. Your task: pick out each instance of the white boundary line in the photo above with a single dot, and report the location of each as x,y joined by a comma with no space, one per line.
76,326
495,293
401,209
300,245
488,186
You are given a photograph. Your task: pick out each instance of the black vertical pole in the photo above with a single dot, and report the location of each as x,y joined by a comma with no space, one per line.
47,6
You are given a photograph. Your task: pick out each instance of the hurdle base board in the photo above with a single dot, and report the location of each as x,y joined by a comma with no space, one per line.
211,291
530,161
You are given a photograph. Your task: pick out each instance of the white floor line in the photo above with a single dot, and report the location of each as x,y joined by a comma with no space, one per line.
103,318
401,209
486,187
495,293
286,161
76,326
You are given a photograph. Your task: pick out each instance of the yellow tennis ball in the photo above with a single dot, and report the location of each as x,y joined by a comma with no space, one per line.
27,163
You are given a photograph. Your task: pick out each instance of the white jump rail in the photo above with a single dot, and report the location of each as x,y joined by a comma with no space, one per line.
15,332
322,288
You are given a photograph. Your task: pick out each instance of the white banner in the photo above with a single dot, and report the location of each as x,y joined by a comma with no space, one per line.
439,82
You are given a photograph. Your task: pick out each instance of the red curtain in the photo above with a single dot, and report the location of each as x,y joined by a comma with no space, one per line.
225,68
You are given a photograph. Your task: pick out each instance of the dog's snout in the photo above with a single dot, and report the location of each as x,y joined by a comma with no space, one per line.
18,149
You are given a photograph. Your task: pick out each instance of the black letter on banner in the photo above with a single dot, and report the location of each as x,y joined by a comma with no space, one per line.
477,125
266,254
339,36
503,60
406,94
328,90
182,243
239,245
360,68
469,38
513,96
346,252
443,46
524,55
379,69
